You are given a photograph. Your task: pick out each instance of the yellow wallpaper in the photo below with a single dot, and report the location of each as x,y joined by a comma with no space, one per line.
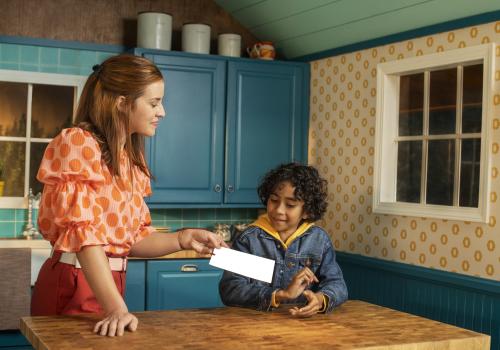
341,146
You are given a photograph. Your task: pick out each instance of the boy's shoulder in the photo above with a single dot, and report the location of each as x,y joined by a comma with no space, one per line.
250,231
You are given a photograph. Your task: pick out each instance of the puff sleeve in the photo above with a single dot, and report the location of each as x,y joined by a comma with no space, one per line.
69,215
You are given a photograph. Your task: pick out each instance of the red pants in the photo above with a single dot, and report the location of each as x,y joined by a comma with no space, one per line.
61,289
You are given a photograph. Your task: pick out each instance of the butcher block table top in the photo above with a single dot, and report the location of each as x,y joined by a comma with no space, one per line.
354,325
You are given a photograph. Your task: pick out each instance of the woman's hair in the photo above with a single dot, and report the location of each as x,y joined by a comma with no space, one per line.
97,112
310,187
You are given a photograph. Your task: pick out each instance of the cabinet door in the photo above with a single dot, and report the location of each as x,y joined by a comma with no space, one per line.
135,288
266,123
186,154
182,284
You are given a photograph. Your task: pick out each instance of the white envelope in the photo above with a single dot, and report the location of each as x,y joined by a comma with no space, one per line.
248,265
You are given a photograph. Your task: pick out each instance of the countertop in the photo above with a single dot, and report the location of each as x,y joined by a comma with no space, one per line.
354,325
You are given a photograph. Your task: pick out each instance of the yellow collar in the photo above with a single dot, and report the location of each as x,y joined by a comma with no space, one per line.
264,223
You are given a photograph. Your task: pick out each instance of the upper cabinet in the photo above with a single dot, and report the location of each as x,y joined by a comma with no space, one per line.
228,121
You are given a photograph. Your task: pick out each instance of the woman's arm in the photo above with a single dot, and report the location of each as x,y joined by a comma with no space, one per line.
158,244
96,269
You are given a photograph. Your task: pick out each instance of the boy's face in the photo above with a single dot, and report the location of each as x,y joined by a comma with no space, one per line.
285,211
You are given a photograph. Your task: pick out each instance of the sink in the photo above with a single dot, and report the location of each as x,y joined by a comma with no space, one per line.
40,251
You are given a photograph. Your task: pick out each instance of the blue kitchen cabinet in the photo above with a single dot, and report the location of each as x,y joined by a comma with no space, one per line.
182,284
266,123
13,339
229,120
135,289
186,155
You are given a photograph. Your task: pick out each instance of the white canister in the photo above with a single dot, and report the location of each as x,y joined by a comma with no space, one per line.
196,38
154,30
229,45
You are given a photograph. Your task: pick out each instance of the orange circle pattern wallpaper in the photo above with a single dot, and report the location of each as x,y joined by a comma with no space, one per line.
342,146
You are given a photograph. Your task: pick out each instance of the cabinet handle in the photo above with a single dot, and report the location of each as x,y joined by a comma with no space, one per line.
230,188
189,268
217,188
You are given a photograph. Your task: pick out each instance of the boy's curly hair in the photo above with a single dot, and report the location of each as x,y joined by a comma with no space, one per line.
310,187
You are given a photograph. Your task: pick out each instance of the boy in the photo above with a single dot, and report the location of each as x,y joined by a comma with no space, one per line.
305,270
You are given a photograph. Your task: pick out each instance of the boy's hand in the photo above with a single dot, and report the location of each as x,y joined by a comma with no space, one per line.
314,304
300,282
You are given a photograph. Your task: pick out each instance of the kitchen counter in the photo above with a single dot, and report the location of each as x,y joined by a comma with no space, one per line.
354,325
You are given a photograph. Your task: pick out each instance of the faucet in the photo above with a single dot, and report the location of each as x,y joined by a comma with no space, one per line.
30,231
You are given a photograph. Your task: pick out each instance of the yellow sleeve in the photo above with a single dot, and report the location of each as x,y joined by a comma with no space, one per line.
273,299
325,304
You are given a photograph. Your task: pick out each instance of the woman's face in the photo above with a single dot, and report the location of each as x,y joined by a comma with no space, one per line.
148,110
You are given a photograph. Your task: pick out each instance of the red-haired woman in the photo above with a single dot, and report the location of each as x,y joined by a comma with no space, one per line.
92,208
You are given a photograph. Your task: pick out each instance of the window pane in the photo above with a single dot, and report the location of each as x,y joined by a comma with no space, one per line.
441,172
12,159
472,97
411,103
409,170
13,102
52,109
37,150
469,176
442,101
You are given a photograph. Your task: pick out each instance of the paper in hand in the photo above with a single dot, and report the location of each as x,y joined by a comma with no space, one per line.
248,265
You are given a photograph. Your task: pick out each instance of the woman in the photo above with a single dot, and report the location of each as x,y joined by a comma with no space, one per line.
92,208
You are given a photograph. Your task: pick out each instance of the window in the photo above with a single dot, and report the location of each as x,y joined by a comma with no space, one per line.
34,108
432,146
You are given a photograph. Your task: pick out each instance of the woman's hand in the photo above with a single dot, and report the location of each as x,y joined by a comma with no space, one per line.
115,323
303,279
202,241
314,304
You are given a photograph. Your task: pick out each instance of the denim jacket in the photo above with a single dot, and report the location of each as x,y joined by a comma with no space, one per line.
312,249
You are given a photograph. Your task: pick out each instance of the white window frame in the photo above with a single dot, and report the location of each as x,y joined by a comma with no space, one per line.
31,78
386,154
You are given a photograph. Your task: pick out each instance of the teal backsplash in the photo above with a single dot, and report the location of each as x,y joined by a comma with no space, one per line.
50,59
13,221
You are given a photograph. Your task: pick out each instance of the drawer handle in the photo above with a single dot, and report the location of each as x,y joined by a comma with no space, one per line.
189,268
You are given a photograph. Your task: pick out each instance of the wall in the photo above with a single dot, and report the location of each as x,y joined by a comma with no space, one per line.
341,145
110,21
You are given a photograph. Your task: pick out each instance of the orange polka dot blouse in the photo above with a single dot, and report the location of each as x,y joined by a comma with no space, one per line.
82,204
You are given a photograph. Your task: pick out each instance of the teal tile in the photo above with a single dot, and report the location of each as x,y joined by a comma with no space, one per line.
157,214
10,53
173,214
85,71
29,67
69,70
69,57
49,69
157,222
102,56
174,225
21,215
238,213
223,214
190,214
49,55
191,223
19,228
88,59
207,214
7,229
252,214
30,55
7,215
11,66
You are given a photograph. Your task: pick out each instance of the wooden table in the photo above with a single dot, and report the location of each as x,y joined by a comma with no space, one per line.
354,325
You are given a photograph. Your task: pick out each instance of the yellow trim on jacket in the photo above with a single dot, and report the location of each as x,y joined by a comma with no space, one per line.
264,223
